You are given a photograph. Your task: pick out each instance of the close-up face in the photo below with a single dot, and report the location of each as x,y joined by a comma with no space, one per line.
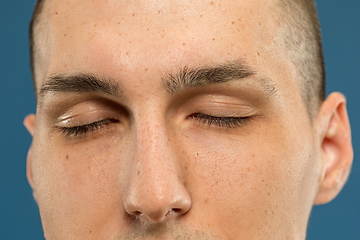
158,120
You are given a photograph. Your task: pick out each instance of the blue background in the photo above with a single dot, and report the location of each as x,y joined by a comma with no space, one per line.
19,217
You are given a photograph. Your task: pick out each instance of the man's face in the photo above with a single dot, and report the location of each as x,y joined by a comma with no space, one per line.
161,151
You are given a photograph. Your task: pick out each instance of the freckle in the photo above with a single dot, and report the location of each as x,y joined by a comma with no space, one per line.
118,22
200,15
233,22
95,25
253,155
206,200
65,35
197,154
259,23
146,69
183,44
133,14
56,13
138,172
258,54
213,39
67,156
216,183
212,3
158,12
129,41
269,194
185,167
147,29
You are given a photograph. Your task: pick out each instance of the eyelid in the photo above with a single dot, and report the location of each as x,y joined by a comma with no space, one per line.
223,109
74,118
219,104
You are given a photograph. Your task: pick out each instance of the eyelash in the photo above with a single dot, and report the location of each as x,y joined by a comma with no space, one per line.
222,122
83,129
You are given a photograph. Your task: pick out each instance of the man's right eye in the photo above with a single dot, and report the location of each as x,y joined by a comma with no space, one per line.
77,131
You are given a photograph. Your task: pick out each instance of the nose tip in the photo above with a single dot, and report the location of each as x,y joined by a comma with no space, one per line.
158,207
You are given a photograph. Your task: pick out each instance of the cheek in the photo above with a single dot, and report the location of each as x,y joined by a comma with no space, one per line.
254,180
83,180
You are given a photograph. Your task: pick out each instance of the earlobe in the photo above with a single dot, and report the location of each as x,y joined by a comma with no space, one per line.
28,169
336,148
29,123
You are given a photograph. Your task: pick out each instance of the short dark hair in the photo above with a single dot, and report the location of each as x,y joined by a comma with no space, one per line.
300,34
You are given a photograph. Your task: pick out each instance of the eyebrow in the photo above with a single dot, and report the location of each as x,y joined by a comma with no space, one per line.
79,83
202,76
184,79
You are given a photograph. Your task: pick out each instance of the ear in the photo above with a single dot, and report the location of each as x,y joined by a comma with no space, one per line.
334,134
29,123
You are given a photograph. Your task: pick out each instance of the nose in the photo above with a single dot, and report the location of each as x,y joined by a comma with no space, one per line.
156,190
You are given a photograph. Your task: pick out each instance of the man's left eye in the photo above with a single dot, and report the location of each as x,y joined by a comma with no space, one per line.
76,131
223,122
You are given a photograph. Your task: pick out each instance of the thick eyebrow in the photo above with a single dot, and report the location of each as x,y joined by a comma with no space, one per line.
79,83
202,76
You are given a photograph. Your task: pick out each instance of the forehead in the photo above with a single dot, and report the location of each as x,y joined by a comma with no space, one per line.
156,34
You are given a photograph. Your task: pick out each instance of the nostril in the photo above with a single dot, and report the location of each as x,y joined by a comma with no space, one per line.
135,213
177,210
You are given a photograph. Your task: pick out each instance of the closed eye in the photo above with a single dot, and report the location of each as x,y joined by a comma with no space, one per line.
76,131
222,122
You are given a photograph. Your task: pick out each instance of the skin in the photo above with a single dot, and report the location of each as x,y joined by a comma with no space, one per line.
157,171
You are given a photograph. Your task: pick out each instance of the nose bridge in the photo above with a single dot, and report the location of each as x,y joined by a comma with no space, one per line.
154,157
155,188
152,136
